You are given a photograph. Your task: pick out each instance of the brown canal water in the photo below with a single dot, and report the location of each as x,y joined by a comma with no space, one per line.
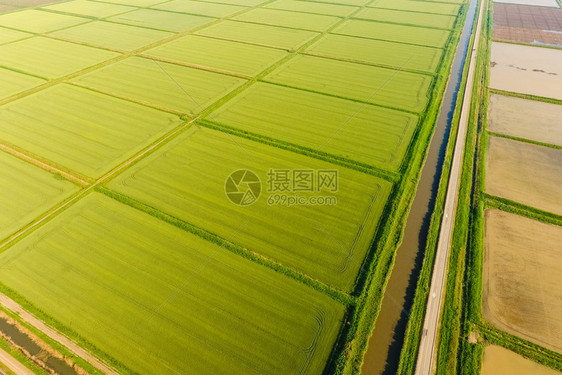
383,353
22,340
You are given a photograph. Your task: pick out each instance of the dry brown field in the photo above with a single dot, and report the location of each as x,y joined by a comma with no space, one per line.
522,278
500,361
526,70
525,173
522,118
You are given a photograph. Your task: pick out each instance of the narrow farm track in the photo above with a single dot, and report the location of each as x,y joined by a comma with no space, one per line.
429,343
11,305
13,364
40,164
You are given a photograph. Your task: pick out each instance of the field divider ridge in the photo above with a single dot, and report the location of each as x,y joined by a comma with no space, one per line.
253,256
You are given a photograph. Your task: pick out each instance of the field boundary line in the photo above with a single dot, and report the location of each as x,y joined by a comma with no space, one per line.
48,167
523,140
428,342
252,256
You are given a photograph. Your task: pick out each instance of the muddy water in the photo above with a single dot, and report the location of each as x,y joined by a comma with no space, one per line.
383,354
22,340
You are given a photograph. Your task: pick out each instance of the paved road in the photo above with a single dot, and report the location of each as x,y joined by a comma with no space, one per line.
428,343
13,364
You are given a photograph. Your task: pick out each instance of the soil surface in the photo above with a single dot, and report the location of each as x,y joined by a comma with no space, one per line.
522,118
526,70
522,278
525,173
500,361
528,24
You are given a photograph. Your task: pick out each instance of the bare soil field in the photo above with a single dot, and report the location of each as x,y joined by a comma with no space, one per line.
522,277
528,24
522,118
526,70
542,3
498,361
6,8
525,173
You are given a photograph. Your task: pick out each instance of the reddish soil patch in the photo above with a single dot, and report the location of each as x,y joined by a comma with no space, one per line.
527,24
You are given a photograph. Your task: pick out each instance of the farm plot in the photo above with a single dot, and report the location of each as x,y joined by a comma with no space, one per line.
37,21
522,278
275,17
525,173
9,35
269,36
90,8
161,20
331,241
417,6
112,35
81,130
312,7
170,86
348,2
247,3
181,293
394,33
378,52
376,85
544,3
526,70
222,55
13,82
351,130
201,8
58,58
27,191
407,18
522,118
138,3
528,24
498,360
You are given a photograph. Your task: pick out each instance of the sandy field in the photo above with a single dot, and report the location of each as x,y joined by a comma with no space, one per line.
500,361
542,3
525,173
526,69
527,119
528,24
522,278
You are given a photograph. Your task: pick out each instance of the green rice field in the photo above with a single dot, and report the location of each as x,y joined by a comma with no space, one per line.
409,91
378,52
27,191
163,166
217,54
265,35
87,139
9,35
218,315
111,35
167,182
57,58
149,81
396,33
407,18
374,136
14,82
